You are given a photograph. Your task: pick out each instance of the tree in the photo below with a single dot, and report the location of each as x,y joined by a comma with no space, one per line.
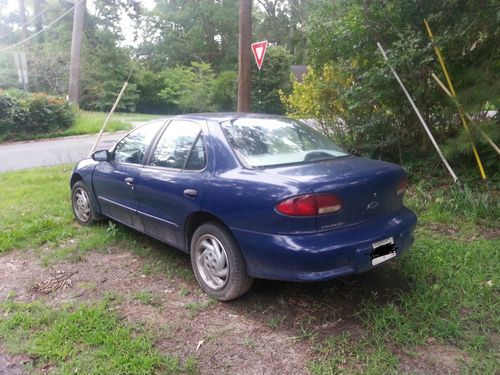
76,47
283,22
179,32
188,89
105,69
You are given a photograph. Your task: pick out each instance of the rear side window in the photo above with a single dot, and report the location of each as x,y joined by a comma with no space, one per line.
132,148
197,159
180,146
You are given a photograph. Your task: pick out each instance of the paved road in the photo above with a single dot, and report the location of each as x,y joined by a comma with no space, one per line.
21,155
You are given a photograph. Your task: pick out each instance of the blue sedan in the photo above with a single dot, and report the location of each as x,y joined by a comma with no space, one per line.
248,196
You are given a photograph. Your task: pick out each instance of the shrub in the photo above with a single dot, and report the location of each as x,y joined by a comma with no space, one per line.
24,115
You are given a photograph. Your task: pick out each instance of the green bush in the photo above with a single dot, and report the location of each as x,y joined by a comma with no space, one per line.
23,114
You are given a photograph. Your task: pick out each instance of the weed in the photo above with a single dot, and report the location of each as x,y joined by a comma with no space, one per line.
276,321
196,307
110,296
144,297
111,230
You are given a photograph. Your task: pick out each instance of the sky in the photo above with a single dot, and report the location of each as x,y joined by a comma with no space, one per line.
126,25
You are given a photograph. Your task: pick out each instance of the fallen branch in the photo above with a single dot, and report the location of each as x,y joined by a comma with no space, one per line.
60,281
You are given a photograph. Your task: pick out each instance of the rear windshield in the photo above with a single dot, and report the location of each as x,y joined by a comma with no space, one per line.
272,142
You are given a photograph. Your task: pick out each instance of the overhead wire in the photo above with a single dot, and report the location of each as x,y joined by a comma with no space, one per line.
42,30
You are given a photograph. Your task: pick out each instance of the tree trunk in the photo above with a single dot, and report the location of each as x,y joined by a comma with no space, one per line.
244,57
76,47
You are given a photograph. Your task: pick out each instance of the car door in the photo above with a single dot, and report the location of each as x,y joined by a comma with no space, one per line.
170,185
114,181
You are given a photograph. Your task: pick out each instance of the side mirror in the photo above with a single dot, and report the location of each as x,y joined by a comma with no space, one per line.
101,155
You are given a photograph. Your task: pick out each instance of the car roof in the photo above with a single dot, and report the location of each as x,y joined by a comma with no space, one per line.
224,116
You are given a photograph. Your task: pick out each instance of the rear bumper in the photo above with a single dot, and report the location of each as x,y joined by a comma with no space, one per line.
324,255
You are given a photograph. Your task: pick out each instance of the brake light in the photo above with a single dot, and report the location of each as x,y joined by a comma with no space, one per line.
310,205
403,184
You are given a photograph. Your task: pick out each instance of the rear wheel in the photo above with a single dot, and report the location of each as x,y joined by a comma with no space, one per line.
83,206
218,264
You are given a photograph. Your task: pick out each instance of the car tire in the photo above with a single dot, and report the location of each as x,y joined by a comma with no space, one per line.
218,264
83,204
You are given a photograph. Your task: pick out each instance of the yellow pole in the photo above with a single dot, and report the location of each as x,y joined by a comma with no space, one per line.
462,111
450,85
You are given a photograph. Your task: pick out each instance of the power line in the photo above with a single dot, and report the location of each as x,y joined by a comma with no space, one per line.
44,28
30,21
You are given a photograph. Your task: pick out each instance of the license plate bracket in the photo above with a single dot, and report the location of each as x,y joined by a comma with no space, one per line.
383,250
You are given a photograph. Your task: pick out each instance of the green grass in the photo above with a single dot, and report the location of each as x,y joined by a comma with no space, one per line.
91,122
35,213
88,122
82,339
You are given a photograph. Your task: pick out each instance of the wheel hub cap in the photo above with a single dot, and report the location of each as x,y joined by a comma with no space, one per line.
81,205
211,261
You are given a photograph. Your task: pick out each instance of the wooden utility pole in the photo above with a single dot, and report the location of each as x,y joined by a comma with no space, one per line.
244,57
76,47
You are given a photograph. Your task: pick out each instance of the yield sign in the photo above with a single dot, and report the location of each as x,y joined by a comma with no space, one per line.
259,50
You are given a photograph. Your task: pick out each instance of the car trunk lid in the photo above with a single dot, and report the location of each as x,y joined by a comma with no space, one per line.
366,187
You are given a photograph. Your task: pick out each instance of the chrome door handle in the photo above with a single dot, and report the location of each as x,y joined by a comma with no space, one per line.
129,181
190,193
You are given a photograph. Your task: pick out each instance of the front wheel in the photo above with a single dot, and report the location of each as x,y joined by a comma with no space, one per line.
83,207
218,264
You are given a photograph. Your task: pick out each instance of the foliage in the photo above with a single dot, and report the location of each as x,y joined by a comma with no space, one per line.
283,22
188,89
273,78
224,91
101,86
343,34
22,114
459,148
179,32
149,85
320,97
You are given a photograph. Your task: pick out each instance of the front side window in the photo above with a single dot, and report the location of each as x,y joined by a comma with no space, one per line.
261,142
181,139
132,148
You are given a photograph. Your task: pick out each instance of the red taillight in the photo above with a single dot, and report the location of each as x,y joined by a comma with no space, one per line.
403,184
310,205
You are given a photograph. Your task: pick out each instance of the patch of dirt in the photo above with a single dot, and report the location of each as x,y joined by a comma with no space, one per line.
441,228
433,359
489,233
449,230
12,365
184,321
